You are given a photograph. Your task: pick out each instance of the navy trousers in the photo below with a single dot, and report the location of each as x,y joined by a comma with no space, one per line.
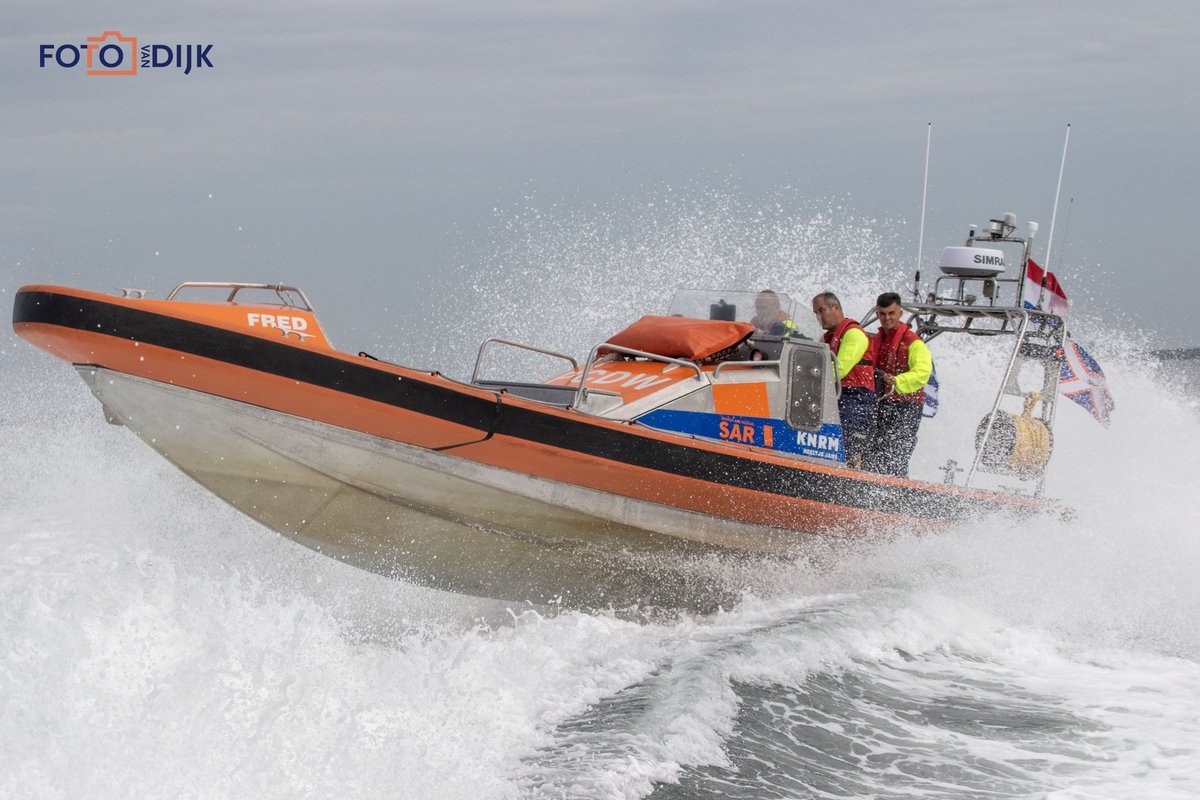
896,424
857,407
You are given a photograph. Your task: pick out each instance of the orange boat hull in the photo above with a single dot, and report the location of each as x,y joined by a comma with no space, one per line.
415,475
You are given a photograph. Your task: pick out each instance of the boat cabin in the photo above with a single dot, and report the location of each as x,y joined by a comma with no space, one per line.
719,365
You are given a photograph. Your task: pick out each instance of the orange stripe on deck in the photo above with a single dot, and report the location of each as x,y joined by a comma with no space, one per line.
741,399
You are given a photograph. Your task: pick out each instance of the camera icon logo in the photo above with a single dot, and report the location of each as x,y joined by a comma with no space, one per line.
112,54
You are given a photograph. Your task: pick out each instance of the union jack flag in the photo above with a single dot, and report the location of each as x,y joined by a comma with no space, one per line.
930,408
1083,381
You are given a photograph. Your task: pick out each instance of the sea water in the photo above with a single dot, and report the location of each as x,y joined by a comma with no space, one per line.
154,643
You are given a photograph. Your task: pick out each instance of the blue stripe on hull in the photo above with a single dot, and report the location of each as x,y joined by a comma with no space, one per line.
774,434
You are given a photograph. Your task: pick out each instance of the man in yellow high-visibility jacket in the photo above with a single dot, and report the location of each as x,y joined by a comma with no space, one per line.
856,373
903,366
769,316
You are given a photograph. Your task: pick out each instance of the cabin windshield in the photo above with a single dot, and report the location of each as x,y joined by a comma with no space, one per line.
740,307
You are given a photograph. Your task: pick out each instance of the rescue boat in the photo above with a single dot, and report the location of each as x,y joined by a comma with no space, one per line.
683,444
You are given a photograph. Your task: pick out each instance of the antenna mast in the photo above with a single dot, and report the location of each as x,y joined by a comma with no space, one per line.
1057,192
1066,233
921,238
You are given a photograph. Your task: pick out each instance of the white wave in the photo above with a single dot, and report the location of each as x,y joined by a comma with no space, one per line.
157,644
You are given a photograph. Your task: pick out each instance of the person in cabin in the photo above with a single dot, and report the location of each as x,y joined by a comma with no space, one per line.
902,368
769,316
855,370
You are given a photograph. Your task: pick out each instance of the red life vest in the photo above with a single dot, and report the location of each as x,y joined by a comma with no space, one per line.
861,374
891,354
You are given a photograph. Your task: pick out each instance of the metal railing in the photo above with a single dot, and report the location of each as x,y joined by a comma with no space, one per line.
531,348
991,418
284,293
1012,320
582,392
717,372
988,290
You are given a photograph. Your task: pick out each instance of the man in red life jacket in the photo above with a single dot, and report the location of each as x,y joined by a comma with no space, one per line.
903,365
856,371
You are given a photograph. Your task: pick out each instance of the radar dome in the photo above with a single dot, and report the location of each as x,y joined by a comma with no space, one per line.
972,262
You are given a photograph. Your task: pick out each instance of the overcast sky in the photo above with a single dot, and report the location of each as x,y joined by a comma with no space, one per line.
371,151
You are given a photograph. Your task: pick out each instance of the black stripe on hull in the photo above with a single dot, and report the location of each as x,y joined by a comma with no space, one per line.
368,382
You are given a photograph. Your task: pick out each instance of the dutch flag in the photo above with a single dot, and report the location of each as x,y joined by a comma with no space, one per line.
1054,299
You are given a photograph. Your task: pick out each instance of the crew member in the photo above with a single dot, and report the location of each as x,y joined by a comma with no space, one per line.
856,371
903,366
769,316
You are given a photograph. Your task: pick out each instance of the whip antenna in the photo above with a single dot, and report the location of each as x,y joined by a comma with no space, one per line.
921,238
1062,251
1057,192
